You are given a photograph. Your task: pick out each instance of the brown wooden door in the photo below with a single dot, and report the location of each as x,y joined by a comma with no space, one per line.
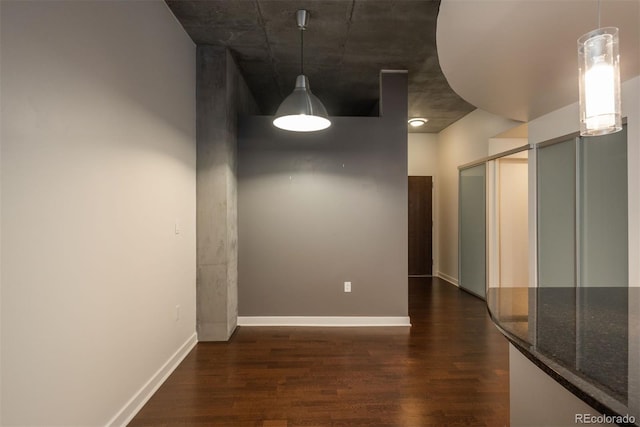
420,226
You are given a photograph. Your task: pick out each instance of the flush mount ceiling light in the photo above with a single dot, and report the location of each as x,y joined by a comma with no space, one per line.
417,121
599,81
302,111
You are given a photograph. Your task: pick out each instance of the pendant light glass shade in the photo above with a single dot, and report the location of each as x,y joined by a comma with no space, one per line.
302,111
599,67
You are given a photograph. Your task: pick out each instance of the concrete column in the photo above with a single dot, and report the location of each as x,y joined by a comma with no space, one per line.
216,190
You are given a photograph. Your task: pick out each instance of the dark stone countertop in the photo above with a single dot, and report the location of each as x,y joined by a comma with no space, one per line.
578,336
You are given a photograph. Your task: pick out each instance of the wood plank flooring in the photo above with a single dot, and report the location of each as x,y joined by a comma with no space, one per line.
449,369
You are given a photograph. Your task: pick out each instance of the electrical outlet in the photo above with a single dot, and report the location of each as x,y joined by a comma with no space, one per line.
347,286
177,313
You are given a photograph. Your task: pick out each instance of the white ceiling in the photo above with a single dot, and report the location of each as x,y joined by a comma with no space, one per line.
518,58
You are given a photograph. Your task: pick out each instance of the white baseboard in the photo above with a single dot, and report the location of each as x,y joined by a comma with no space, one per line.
448,278
133,406
323,321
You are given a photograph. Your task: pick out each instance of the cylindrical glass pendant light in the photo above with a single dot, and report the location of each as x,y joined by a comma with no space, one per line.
599,65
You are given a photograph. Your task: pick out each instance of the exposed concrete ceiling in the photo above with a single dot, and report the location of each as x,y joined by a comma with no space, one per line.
346,45
525,51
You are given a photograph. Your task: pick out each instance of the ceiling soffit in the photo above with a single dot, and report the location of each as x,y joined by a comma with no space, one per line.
518,58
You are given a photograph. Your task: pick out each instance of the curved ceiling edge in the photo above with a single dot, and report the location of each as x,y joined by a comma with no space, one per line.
518,58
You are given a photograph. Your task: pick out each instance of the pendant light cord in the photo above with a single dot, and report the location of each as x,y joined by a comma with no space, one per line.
301,51
599,14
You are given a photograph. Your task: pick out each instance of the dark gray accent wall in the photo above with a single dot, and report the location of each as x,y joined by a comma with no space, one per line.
220,94
316,210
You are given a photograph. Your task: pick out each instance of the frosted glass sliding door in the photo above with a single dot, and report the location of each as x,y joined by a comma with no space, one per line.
583,259
603,212
556,199
583,212
556,178
472,239
603,261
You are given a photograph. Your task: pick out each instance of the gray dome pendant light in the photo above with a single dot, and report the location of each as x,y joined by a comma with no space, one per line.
302,111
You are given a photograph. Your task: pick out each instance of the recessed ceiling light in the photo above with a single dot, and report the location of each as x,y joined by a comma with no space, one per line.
417,121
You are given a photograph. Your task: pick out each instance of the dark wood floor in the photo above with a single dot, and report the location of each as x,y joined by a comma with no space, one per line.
449,369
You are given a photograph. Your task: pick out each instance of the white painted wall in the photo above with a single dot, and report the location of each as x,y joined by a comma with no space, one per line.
464,141
1,134
554,405
422,156
500,145
513,221
506,268
98,163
